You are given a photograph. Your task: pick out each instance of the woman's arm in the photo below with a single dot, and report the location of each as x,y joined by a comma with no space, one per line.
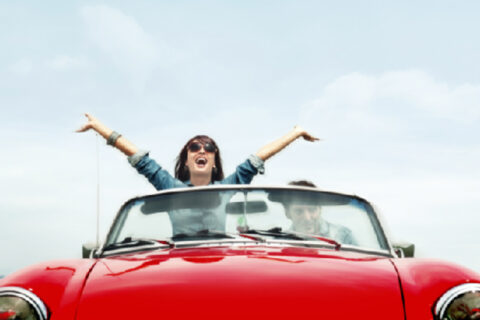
274,147
121,144
144,165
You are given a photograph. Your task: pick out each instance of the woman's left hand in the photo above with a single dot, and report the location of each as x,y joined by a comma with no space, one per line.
303,133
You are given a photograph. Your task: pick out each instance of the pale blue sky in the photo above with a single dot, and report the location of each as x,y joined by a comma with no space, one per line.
392,87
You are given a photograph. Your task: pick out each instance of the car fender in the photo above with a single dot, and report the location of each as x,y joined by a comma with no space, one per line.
58,284
424,281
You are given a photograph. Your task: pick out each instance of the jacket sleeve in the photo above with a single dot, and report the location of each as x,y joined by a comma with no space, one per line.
246,171
159,177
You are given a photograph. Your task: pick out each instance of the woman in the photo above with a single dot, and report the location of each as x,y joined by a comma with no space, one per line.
199,162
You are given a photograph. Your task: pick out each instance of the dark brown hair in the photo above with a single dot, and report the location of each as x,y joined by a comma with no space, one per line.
181,170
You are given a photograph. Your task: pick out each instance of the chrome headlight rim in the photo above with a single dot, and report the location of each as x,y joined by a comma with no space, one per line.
32,299
448,297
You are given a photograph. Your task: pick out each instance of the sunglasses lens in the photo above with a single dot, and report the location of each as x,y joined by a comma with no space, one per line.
194,147
209,147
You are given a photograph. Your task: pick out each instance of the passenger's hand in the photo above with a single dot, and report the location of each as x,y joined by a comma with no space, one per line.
303,133
92,123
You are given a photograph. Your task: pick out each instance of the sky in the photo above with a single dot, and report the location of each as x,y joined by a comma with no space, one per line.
391,87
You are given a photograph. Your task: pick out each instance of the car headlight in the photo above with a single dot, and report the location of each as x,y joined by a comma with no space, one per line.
20,304
459,303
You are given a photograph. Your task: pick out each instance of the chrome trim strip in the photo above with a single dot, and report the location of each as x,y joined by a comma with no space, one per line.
240,187
132,249
248,242
29,297
451,295
212,241
178,244
276,242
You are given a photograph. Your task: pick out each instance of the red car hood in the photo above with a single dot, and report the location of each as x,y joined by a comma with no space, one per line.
249,282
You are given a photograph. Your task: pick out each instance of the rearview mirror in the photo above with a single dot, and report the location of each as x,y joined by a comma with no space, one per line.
177,201
252,207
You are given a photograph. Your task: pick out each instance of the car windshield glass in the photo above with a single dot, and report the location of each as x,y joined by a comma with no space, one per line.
224,213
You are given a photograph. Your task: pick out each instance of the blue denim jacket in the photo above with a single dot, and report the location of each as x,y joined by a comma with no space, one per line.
161,179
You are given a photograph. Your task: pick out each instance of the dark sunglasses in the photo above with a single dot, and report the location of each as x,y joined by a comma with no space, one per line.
196,146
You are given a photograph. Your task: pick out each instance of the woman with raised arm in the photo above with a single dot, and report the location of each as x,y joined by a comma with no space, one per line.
199,162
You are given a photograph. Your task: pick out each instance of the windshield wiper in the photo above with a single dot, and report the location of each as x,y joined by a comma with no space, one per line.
130,242
328,240
202,234
277,232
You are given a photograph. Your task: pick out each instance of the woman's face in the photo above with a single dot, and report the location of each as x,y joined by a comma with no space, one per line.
200,158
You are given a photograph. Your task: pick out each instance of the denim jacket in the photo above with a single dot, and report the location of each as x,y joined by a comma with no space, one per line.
161,179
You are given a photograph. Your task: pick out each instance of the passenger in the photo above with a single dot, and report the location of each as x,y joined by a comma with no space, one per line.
307,218
199,162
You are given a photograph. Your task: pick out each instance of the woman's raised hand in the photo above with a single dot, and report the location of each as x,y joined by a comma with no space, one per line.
91,124
274,147
120,142
303,133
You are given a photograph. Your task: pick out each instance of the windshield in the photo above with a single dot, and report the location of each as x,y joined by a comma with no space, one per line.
270,213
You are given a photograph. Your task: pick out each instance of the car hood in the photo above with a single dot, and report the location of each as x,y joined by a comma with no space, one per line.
242,282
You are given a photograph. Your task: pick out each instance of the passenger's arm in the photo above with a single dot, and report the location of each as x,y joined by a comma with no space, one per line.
121,144
274,147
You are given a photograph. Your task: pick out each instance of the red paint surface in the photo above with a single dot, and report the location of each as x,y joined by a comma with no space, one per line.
424,281
7,315
57,283
242,282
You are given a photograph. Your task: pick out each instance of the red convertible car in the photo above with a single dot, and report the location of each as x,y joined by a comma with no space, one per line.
244,252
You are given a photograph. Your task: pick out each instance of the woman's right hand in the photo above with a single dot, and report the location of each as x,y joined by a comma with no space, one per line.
303,133
121,144
92,123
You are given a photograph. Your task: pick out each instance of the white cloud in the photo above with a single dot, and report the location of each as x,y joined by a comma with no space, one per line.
123,40
407,142
386,101
63,63
417,88
22,67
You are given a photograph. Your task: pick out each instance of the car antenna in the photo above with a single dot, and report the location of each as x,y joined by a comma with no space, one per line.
245,195
98,192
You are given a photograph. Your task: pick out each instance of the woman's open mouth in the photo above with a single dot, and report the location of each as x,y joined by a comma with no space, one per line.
201,162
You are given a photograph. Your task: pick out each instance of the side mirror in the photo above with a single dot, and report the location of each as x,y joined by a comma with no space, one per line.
88,249
404,249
